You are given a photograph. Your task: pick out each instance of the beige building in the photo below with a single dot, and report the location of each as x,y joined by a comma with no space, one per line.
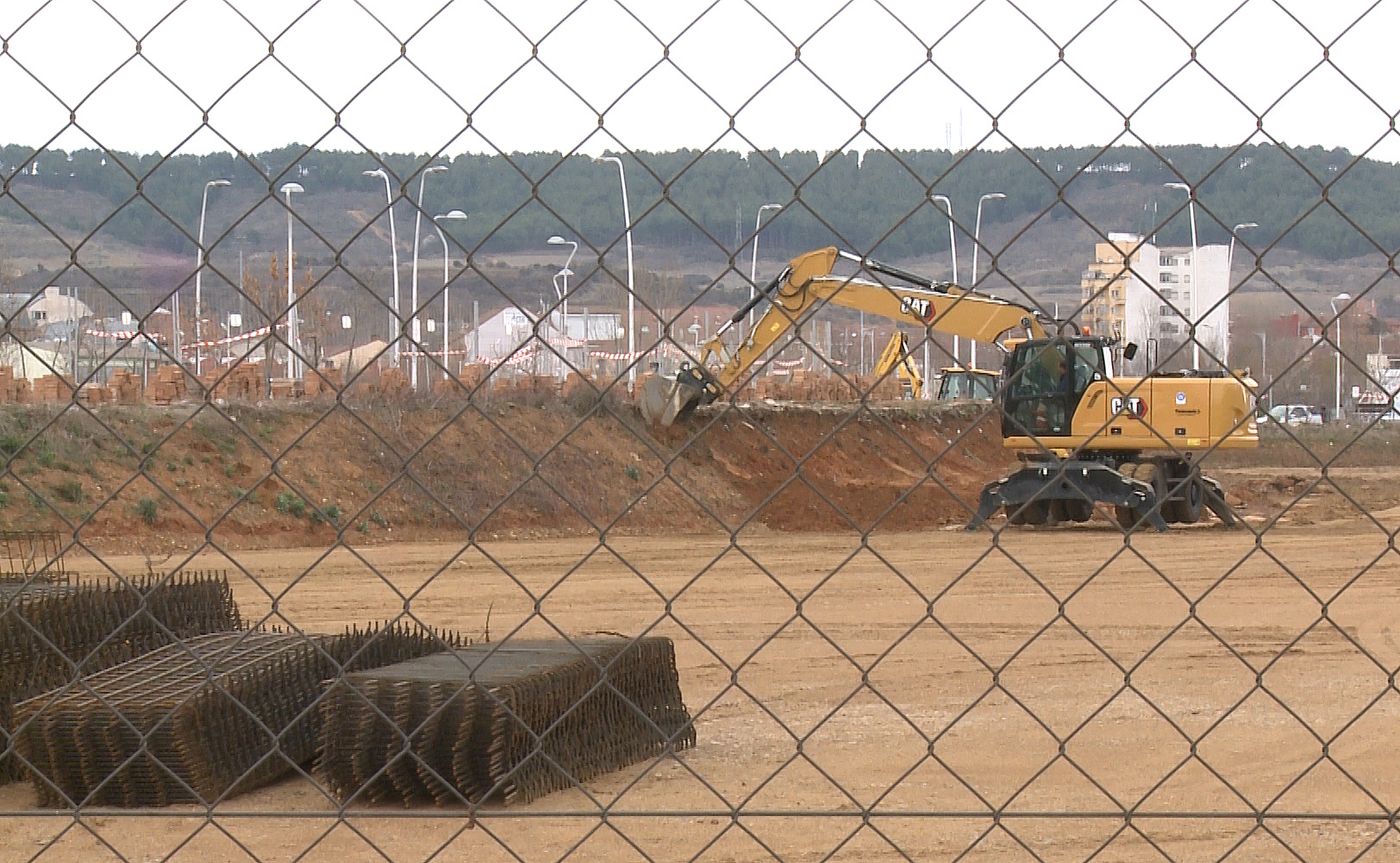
1105,285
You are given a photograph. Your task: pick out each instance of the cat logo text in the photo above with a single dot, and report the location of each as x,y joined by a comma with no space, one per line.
1130,405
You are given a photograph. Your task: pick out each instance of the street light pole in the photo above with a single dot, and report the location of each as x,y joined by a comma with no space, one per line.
293,345
976,247
631,286
1230,256
1264,362
953,252
1230,269
1195,288
1343,298
198,282
753,265
455,215
557,240
395,321
414,326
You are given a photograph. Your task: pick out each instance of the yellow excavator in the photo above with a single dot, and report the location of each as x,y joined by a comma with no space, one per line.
1083,436
895,358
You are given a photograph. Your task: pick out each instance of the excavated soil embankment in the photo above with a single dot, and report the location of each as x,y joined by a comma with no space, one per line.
158,479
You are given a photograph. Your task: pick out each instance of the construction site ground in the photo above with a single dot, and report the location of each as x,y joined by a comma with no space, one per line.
818,680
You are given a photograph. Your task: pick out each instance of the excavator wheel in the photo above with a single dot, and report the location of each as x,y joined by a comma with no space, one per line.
1185,508
1162,486
1035,512
1129,517
1078,511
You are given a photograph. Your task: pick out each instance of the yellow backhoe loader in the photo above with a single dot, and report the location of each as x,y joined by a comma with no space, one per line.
895,358
1083,435
957,384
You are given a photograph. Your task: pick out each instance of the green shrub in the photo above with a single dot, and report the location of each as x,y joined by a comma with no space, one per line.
289,503
147,510
10,444
4,498
378,519
329,514
69,491
632,472
47,458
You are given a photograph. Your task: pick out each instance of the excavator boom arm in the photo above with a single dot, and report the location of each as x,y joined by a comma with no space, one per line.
808,283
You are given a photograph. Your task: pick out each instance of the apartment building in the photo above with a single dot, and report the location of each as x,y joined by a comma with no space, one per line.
1151,295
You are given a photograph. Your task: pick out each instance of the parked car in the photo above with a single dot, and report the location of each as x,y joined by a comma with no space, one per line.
1295,415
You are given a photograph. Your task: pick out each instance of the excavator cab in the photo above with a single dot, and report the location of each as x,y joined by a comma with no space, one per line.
1046,378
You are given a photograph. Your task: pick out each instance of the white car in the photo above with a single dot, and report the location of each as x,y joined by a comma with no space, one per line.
1295,415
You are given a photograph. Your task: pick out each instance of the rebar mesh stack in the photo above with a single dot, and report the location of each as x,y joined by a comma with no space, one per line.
27,555
53,634
507,722
198,720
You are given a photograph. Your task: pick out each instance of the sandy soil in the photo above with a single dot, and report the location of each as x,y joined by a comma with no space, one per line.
877,700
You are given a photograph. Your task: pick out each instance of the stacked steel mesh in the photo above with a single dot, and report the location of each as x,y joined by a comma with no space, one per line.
31,555
53,634
510,722
199,720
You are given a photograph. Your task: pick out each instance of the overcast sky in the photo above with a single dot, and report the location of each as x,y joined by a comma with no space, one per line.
726,57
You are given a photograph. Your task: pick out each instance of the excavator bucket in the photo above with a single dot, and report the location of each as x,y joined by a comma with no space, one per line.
664,400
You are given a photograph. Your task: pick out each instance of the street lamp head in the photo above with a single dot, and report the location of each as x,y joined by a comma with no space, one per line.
557,240
219,182
993,196
1181,186
450,214
377,172
566,272
770,207
1243,226
290,188
1343,297
435,169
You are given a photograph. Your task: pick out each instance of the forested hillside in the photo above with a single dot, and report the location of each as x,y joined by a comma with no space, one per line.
692,200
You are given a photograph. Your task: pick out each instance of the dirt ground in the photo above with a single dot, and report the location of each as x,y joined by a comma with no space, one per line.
846,692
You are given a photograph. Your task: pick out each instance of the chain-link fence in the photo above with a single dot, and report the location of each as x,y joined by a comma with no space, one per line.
855,430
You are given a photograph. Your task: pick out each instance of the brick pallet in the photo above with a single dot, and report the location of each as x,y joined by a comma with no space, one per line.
168,386
13,390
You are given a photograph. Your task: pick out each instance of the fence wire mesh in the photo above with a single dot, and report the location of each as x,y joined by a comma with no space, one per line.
636,531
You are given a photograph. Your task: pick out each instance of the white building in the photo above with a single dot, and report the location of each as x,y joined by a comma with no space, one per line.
57,305
510,333
1151,295
34,360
